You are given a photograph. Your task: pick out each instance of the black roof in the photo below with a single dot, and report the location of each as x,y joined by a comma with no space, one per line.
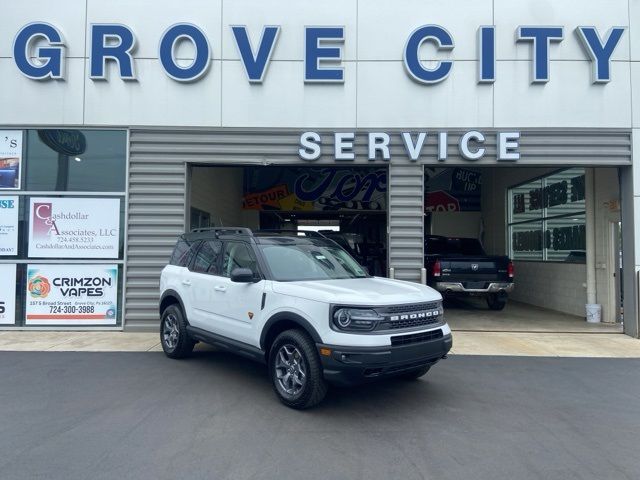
259,236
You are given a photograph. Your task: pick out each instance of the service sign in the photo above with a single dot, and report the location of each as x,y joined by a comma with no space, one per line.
9,225
72,295
74,228
10,159
7,294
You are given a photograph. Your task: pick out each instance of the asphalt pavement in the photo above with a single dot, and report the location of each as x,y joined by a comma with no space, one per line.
72,415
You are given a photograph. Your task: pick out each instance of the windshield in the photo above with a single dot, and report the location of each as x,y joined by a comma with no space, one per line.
310,262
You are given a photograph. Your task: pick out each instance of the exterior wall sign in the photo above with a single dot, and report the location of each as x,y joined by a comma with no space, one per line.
9,225
74,228
470,145
7,294
72,295
323,51
452,190
66,142
10,159
316,189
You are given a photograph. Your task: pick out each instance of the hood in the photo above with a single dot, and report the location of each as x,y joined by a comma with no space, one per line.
359,291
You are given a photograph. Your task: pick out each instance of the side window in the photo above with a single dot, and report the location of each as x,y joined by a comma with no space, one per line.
185,261
237,255
179,253
206,260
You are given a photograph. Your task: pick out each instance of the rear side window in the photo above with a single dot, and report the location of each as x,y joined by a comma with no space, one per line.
179,255
207,258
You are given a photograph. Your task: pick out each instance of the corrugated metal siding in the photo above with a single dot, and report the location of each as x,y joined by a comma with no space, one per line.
157,184
406,220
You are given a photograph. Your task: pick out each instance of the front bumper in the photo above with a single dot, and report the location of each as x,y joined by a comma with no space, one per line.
353,365
458,287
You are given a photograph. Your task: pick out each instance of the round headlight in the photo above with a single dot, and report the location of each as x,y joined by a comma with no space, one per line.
343,318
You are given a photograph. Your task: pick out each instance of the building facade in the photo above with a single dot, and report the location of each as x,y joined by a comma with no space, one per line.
112,111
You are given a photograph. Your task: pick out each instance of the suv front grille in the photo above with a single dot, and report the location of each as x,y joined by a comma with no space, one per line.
416,322
410,316
413,307
415,338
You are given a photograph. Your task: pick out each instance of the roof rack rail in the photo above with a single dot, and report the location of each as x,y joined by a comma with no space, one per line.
305,233
223,230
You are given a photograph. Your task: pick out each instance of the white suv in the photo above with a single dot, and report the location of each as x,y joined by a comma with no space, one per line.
301,305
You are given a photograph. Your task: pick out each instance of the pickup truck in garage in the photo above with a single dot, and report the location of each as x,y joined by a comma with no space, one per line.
460,267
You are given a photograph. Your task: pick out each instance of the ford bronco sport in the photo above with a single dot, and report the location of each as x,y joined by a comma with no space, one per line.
301,305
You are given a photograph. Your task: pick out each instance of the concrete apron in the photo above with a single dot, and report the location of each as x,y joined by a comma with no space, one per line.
464,343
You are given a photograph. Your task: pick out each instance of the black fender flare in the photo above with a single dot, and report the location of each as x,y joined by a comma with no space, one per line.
291,317
171,293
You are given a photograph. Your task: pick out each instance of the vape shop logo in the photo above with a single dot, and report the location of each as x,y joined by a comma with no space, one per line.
43,222
39,286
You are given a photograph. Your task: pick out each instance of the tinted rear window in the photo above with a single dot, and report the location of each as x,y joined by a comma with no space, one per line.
182,253
453,246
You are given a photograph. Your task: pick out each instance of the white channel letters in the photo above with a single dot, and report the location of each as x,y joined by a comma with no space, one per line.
470,145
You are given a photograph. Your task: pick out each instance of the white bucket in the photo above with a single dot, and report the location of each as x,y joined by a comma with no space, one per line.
594,312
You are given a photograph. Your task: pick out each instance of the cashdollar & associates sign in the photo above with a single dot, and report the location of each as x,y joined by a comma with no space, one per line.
7,294
72,295
74,227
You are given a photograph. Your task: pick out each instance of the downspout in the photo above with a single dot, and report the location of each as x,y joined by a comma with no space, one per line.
590,230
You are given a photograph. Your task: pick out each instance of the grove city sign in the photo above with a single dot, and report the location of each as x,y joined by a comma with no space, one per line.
39,51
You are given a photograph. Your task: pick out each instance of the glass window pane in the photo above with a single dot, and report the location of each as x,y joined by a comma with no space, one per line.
179,253
526,201
565,239
526,241
206,260
564,192
100,168
237,255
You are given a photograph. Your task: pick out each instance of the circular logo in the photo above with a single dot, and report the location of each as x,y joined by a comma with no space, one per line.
111,312
39,286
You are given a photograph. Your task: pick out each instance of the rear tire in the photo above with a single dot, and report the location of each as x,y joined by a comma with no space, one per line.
296,371
496,302
174,338
416,374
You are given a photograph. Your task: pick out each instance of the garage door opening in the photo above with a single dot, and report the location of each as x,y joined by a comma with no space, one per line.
545,220
348,205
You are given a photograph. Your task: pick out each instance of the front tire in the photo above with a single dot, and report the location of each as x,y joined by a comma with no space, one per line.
496,302
296,371
174,338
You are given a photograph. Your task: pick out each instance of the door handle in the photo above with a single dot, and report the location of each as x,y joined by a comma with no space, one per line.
220,288
186,283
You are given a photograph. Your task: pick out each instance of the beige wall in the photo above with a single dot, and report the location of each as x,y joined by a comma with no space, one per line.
219,190
456,224
607,209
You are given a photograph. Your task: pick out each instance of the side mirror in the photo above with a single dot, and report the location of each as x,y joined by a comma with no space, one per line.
242,275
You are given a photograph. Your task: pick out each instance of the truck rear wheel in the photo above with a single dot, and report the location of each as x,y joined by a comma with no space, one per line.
296,371
495,301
